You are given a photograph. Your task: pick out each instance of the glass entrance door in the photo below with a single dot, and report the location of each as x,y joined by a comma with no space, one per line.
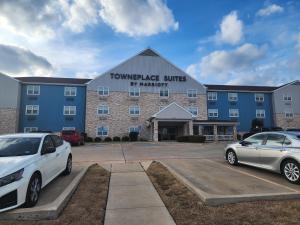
168,133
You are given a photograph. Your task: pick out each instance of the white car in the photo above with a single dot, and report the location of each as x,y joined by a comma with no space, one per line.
28,162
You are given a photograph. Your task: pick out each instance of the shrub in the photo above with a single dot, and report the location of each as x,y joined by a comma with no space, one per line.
98,139
88,139
116,138
133,136
125,138
191,138
107,139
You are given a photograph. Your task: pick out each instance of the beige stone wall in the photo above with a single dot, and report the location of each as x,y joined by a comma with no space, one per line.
8,120
119,119
283,122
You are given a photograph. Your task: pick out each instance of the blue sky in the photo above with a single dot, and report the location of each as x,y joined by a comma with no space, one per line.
223,42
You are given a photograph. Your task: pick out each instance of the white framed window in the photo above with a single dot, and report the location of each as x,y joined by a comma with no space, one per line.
234,113
33,90
232,97
32,110
134,110
70,91
212,96
288,113
260,113
193,110
103,91
134,92
213,113
287,98
259,97
164,92
103,110
134,129
30,129
69,128
69,110
102,131
192,93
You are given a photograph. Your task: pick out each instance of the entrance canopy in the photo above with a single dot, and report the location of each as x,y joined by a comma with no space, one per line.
173,112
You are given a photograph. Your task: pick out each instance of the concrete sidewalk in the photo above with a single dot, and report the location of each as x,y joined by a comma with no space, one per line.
132,199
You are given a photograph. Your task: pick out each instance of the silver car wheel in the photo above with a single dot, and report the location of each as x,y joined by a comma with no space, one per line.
69,165
291,171
35,188
231,157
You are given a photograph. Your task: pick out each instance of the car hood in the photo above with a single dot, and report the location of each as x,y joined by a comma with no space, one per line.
10,165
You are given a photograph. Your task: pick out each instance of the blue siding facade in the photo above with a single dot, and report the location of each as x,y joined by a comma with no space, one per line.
246,105
51,101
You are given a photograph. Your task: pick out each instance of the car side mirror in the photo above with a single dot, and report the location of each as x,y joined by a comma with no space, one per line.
48,150
245,143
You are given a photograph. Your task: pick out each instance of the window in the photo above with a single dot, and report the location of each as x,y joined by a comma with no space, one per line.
70,91
32,110
68,128
233,113
212,96
232,97
134,92
260,113
259,97
287,98
102,131
134,129
275,140
193,110
33,90
30,129
134,110
288,114
192,93
103,91
57,140
164,92
70,110
48,143
213,112
103,110
256,139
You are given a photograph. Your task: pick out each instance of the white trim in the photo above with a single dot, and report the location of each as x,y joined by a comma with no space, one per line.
32,106
215,111
259,112
69,109
233,116
70,91
68,128
134,88
212,99
136,106
138,129
164,89
261,95
104,126
103,90
195,107
103,114
31,129
173,103
286,100
33,86
191,90
236,97
290,112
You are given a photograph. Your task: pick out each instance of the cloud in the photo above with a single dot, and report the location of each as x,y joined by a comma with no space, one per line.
231,29
138,17
219,63
193,70
22,62
269,10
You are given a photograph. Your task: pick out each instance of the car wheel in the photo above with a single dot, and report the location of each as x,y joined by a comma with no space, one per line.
291,171
33,190
231,157
68,169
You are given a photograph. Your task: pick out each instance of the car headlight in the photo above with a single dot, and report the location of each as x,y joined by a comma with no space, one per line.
11,177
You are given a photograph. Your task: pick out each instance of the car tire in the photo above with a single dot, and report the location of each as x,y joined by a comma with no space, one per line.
231,157
291,171
33,190
68,169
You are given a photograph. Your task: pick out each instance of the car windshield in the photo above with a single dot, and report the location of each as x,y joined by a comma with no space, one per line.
13,146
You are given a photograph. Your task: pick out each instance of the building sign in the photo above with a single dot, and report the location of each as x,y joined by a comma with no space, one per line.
147,80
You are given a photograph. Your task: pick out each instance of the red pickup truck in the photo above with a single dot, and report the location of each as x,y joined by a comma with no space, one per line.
73,136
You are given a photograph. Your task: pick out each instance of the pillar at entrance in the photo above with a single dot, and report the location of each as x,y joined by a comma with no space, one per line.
155,130
215,133
234,133
191,131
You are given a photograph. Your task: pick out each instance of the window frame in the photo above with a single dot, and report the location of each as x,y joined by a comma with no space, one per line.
134,92
195,107
68,128
290,112
286,96
210,94
138,129
233,116
260,117
69,106
194,92
216,111
101,135
257,99
31,129
102,114
33,90
134,106
32,114
230,96
163,90
104,89
70,91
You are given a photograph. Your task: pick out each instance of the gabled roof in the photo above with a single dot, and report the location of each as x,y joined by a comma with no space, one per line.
173,111
295,82
53,80
215,87
148,52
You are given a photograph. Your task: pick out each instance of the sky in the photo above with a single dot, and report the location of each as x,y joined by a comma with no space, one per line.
249,42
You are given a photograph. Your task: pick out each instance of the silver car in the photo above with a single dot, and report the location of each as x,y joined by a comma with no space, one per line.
275,151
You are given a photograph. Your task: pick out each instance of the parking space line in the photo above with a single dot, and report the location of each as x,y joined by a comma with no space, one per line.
251,175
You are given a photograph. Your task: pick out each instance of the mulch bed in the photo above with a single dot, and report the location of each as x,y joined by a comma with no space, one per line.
87,205
186,207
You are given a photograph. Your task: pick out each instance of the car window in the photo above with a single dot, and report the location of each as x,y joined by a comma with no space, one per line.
48,142
256,139
287,141
19,146
275,139
57,140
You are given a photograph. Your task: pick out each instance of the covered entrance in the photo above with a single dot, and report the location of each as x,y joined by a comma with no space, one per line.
169,131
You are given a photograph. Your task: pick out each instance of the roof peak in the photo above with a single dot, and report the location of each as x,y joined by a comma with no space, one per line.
148,52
